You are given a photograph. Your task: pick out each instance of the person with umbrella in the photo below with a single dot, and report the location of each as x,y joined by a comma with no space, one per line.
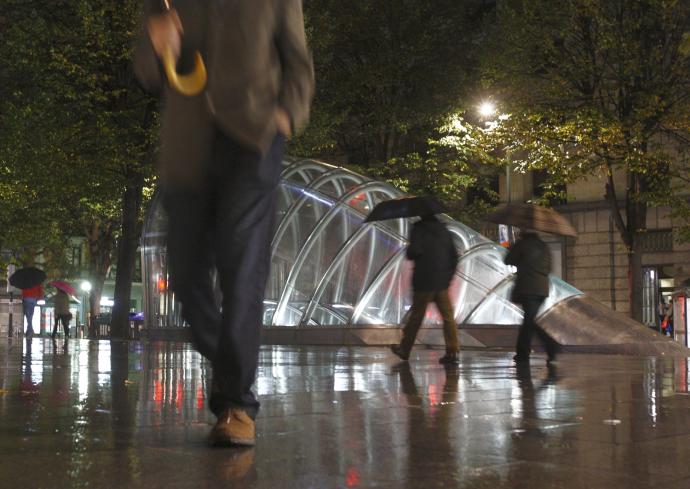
30,281
30,298
61,304
532,258
221,154
435,259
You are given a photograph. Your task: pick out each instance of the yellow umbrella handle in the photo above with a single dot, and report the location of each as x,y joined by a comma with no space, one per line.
191,84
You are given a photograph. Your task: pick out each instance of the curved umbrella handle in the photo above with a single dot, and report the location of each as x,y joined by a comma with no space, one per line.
191,84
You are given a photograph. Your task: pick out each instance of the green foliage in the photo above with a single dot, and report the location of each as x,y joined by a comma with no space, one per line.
75,129
456,163
596,87
387,74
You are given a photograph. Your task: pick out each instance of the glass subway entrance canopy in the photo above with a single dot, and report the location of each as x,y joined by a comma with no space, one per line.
330,269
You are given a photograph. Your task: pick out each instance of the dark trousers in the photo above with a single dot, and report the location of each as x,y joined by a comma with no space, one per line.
226,225
64,319
530,306
420,301
28,307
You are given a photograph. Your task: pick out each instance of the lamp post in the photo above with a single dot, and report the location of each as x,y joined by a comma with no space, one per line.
487,111
86,319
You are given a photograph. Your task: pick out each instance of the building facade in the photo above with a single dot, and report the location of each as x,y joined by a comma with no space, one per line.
596,261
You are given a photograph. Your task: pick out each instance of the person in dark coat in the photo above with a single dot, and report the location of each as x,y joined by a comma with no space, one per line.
219,168
532,258
62,313
435,258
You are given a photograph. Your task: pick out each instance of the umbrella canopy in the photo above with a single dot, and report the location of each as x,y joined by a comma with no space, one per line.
50,300
27,277
64,286
405,207
530,216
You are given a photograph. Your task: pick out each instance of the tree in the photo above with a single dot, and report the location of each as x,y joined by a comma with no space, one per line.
388,74
459,168
69,68
598,87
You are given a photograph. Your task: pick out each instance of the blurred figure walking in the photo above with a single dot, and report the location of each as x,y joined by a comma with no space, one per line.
220,163
532,258
62,314
435,258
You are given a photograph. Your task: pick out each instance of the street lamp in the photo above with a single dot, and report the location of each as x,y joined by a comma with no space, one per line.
487,109
86,286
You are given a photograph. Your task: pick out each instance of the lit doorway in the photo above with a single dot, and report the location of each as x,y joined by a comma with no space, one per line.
657,290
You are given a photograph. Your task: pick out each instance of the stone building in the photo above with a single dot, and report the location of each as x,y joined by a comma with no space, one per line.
596,261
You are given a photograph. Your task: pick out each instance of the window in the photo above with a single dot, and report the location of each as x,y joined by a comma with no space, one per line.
657,240
76,256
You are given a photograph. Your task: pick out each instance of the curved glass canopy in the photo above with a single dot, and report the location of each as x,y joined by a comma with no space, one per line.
329,268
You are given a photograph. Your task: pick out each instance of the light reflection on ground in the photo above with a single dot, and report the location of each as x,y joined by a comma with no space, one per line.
96,414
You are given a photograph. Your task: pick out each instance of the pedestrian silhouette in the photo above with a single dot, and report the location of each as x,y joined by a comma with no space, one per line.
532,258
220,164
435,258
62,314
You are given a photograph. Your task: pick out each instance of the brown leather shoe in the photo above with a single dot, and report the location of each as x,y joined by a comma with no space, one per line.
233,428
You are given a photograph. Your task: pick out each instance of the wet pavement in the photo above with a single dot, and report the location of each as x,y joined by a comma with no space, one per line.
94,414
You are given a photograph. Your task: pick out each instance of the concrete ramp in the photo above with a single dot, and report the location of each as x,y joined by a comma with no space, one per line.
578,324
583,324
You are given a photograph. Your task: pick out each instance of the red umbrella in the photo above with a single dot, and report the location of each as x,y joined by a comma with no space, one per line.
64,286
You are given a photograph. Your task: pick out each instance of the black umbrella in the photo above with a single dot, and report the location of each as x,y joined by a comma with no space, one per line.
406,207
27,277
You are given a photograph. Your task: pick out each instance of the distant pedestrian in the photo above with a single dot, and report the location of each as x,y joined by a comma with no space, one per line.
532,258
30,298
661,311
435,258
667,322
62,313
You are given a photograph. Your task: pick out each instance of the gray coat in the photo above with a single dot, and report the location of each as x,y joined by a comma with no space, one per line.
532,258
257,59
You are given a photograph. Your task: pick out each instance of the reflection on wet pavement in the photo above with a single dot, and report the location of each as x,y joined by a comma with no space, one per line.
129,414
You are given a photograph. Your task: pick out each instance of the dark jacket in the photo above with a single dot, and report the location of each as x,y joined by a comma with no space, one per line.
434,255
532,258
257,59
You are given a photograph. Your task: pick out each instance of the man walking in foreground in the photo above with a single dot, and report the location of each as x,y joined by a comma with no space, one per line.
435,258
220,164
532,258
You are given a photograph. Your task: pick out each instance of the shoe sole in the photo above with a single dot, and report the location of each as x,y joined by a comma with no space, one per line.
232,442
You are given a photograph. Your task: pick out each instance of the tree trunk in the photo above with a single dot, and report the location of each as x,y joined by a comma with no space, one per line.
630,230
100,240
635,278
126,258
95,304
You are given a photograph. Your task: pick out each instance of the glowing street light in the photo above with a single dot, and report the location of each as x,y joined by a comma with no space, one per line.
487,109
86,286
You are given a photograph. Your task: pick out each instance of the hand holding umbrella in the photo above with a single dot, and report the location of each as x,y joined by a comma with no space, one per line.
165,31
